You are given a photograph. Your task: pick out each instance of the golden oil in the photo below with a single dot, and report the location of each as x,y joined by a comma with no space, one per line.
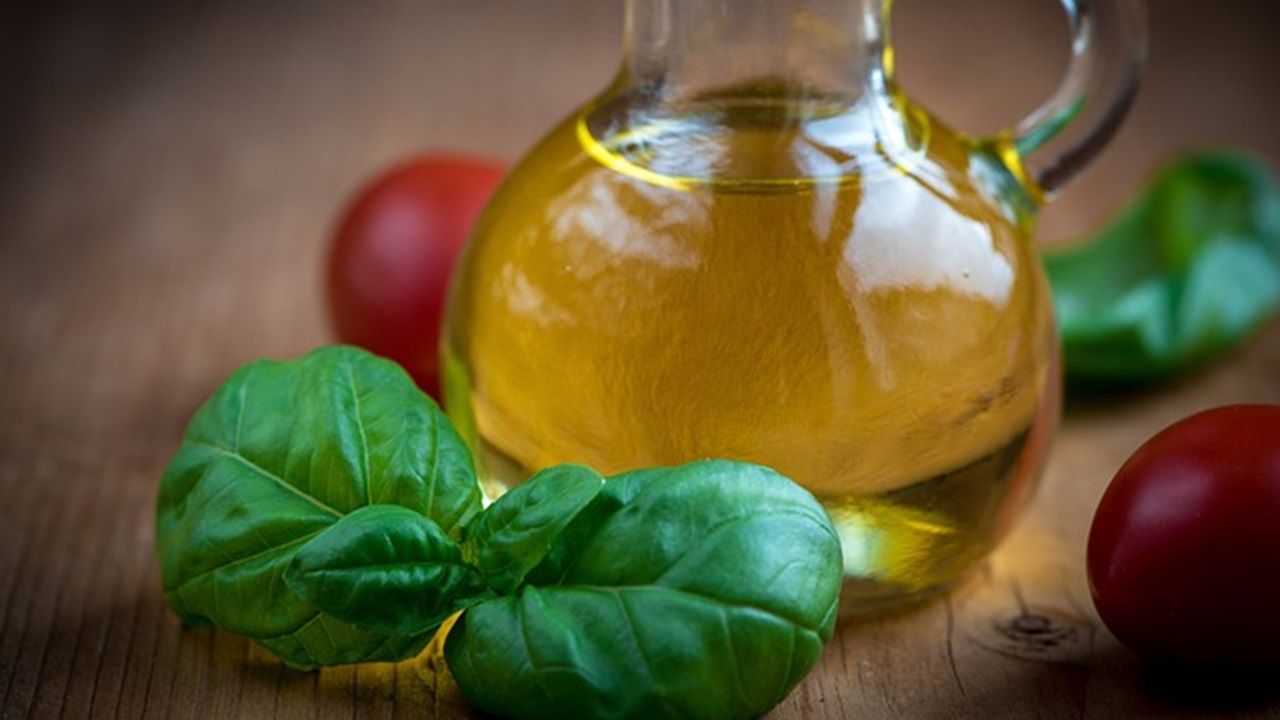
792,284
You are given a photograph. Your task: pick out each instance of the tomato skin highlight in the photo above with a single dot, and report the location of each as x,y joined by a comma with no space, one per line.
393,252
1184,551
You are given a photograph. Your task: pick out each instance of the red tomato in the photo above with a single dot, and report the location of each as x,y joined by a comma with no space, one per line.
391,258
1184,551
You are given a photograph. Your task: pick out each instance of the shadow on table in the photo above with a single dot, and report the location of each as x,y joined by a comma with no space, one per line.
1216,687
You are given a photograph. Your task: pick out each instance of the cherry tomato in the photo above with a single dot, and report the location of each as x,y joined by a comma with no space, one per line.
391,257
1184,551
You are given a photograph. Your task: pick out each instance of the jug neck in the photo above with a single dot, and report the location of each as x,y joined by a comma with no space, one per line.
678,51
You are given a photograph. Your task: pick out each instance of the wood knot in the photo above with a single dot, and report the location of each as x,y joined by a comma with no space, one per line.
1036,634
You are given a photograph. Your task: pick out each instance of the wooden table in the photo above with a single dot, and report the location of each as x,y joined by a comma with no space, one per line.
169,173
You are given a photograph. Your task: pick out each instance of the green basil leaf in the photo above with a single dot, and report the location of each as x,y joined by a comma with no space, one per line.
568,546
517,532
1186,273
281,452
707,592
385,569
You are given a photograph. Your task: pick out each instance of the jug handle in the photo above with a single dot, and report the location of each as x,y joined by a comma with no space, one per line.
1108,48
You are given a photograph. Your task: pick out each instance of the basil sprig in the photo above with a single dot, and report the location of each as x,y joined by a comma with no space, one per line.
325,508
264,500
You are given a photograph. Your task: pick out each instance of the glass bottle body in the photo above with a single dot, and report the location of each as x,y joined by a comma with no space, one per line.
765,278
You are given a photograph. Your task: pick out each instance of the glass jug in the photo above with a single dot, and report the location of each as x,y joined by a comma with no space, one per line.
753,246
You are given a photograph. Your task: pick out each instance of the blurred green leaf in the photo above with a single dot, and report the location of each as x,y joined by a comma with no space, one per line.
1187,272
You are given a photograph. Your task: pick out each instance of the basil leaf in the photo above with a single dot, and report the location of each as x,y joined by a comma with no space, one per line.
281,452
707,591
1186,273
385,569
517,532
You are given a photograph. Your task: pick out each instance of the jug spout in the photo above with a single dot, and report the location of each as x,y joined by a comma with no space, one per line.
678,50
701,78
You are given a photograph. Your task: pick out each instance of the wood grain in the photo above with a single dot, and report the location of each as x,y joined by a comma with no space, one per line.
168,175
